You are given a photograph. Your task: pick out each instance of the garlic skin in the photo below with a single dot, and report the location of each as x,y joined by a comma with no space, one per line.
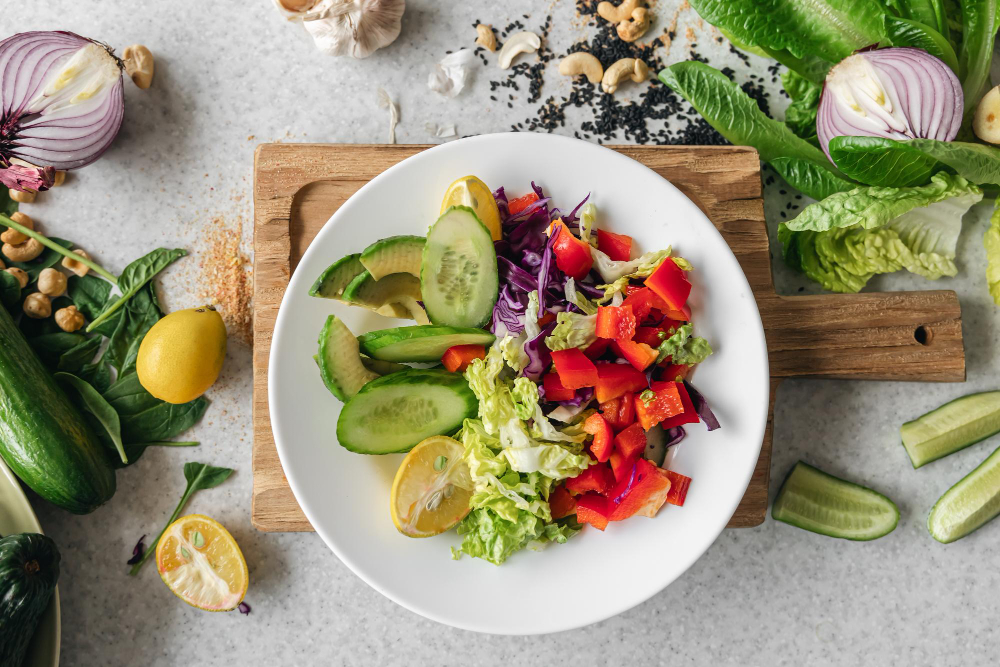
355,28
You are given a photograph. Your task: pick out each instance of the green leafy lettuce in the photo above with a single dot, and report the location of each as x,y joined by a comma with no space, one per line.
979,27
909,32
572,330
800,116
883,162
929,12
683,348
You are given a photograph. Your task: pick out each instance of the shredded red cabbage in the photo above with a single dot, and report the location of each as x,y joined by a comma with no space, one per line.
539,356
628,487
508,314
245,609
701,407
137,551
675,435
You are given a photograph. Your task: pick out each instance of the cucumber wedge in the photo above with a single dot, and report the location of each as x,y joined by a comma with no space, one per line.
954,426
340,360
824,504
332,282
421,343
396,254
973,501
394,413
396,295
458,271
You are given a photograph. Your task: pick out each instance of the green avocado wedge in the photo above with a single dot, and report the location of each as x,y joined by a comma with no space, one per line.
396,254
971,503
335,279
340,360
421,343
396,295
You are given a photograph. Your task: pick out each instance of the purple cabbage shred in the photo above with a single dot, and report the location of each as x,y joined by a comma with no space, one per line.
702,408
137,551
245,609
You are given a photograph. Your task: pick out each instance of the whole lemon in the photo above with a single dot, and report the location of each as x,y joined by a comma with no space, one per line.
182,354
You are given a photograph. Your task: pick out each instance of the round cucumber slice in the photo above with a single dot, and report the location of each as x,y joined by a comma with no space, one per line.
335,279
396,295
972,502
421,343
458,271
394,413
340,360
824,504
954,426
396,254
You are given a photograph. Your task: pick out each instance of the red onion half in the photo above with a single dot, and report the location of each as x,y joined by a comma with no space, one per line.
896,93
61,104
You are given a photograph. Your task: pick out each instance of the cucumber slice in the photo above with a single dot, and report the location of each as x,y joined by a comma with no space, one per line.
332,282
340,360
394,413
396,295
422,343
973,501
824,504
382,367
396,254
954,426
458,271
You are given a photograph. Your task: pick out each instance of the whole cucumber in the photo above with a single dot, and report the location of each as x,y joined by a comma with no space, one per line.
43,438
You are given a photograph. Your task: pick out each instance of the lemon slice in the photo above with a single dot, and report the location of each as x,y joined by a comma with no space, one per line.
472,192
432,488
201,563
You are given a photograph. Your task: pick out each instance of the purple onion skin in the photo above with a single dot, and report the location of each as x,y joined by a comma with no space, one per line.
924,95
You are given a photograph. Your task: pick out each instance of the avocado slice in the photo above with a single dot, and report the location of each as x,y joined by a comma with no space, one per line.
396,295
396,254
335,279
339,360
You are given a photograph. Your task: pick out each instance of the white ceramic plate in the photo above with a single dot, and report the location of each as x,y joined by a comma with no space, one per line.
346,496
16,516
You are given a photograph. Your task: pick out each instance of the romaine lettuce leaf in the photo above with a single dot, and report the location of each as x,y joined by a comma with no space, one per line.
572,330
914,33
491,537
882,162
683,348
991,240
580,301
800,116
640,267
588,215
979,27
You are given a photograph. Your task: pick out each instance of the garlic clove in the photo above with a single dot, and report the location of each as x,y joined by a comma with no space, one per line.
355,28
986,122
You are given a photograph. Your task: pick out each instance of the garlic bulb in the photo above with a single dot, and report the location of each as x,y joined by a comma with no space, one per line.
347,27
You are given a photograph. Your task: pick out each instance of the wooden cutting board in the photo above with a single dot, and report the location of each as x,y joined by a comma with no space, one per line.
893,336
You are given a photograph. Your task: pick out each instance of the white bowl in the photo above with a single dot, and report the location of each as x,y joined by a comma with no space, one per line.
595,575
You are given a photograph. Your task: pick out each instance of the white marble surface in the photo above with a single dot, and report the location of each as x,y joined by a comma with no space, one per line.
232,74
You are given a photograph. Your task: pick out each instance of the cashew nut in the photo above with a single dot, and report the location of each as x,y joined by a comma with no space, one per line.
21,276
139,65
51,282
612,14
582,62
59,178
23,252
14,237
37,306
626,68
485,37
633,29
23,196
69,319
520,42
79,268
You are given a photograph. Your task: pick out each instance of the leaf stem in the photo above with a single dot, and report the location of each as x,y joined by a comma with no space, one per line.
7,222
188,492
113,309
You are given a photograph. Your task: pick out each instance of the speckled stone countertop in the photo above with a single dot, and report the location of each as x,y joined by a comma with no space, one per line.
233,74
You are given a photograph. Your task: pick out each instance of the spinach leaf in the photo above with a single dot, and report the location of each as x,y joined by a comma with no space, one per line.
809,178
978,163
135,450
47,259
98,408
10,289
145,418
73,359
800,116
98,374
979,19
51,346
89,294
136,275
131,324
882,162
827,29
199,476
7,205
929,12
906,32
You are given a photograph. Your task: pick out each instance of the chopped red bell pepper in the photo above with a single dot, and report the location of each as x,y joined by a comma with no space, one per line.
642,491
660,401
640,355
641,299
688,416
458,357
573,256
554,389
561,502
670,283
678,487
546,318
597,348
682,315
619,412
613,380
616,246
675,372
575,369
631,442
593,509
515,206
604,437
651,336
597,478
620,464
617,322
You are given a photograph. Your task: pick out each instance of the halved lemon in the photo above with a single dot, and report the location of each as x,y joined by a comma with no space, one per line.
201,563
472,192
432,488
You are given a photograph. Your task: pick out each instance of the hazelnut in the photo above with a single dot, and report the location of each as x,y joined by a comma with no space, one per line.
37,306
51,282
69,319
23,196
79,268
21,276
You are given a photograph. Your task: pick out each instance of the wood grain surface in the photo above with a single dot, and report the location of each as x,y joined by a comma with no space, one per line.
894,336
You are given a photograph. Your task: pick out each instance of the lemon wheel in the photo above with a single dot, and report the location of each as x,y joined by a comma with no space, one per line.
432,488
201,563
472,192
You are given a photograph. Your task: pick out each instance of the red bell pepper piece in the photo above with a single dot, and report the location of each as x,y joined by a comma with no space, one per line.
515,206
604,437
675,372
613,380
593,509
620,464
631,442
669,282
688,416
597,348
640,355
554,389
616,322
561,502
546,318
616,246
651,336
660,401
573,255
458,357
619,412
678,487
597,478
642,491
575,369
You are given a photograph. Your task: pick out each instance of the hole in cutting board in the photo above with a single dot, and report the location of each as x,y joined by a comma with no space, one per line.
923,335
